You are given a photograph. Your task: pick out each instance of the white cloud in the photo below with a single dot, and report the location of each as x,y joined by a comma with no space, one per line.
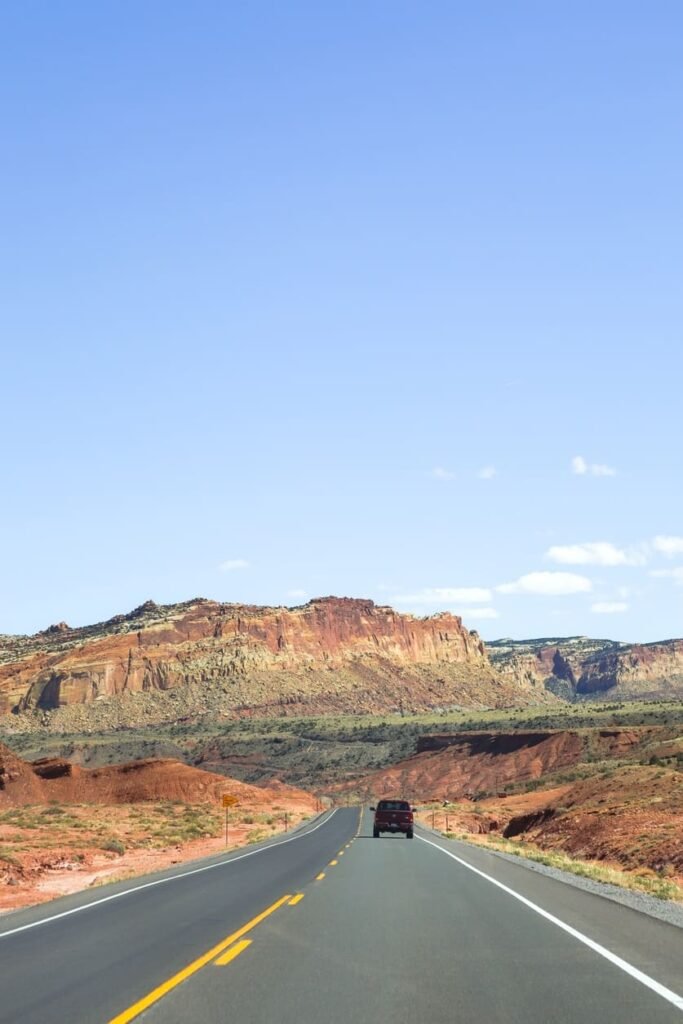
582,468
597,553
296,592
232,564
439,596
439,473
673,574
552,584
487,473
478,613
609,607
668,546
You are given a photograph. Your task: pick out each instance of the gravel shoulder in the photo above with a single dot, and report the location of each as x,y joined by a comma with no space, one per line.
664,910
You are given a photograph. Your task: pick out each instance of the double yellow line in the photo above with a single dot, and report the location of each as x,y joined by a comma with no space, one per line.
213,954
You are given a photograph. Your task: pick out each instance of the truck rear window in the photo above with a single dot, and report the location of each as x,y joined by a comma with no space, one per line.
393,805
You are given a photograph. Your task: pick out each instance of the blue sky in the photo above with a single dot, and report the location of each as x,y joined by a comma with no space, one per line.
379,300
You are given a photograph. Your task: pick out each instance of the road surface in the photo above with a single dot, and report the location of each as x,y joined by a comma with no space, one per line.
333,925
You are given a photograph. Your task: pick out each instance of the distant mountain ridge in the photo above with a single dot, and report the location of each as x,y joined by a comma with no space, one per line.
331,656
578,667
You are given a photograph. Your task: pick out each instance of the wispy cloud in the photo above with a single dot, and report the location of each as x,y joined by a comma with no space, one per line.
440,473
609,607
673,574
596,553
551,584
443,596
669,546
296,592
487,472
583,468
478,613
232,564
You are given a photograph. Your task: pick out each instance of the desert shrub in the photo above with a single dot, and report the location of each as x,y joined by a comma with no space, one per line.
113,846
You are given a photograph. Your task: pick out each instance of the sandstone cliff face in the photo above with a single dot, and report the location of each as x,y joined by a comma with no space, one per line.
577,667
333,654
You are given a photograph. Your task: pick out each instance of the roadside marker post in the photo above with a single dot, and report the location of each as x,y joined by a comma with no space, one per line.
228,801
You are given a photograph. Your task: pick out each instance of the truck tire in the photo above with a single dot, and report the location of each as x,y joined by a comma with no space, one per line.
375,833
409,835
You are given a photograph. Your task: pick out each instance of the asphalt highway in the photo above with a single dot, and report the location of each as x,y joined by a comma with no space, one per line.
334,925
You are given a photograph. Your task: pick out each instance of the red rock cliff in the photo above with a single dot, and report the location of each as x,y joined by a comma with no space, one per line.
332,654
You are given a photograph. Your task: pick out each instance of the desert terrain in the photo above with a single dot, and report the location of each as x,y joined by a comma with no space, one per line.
64,828
121,737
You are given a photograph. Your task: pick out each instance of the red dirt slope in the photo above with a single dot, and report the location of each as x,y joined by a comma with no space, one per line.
53,779
463,764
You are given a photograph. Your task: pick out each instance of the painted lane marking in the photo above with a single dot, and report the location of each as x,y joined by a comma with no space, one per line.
624,965
234,951
161,881
333,863
296,899
161,990
320,877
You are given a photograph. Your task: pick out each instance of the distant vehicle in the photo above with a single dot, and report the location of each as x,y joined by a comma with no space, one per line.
393,816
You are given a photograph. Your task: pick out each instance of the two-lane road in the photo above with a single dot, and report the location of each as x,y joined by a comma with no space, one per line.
336,927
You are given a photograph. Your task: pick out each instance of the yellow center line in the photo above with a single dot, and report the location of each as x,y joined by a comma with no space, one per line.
234,951
161,990
333,863
320,877
296,899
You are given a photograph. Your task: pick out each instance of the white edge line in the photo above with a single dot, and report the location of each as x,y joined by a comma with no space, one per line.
162,881
644,979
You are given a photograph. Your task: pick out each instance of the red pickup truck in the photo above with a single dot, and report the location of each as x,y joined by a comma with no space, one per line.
393,816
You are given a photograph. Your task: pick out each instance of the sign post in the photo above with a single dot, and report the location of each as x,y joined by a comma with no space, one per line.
228,802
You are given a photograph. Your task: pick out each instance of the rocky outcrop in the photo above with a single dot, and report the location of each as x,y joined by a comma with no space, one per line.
578,668
331,655
50,780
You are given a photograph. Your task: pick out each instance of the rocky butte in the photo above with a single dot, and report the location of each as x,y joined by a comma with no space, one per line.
332,655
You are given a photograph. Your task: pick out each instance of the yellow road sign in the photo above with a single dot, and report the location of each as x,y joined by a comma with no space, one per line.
229,800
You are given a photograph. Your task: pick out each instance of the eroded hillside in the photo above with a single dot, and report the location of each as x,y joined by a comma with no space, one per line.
577,668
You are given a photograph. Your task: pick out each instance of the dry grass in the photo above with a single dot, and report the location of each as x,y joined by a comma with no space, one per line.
641,880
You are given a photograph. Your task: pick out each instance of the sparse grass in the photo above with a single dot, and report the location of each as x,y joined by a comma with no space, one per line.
8,857
113,846
120,876
645,880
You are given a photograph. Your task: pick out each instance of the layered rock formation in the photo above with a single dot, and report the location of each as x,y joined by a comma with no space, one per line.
152,779
332,655
578,668
462,765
